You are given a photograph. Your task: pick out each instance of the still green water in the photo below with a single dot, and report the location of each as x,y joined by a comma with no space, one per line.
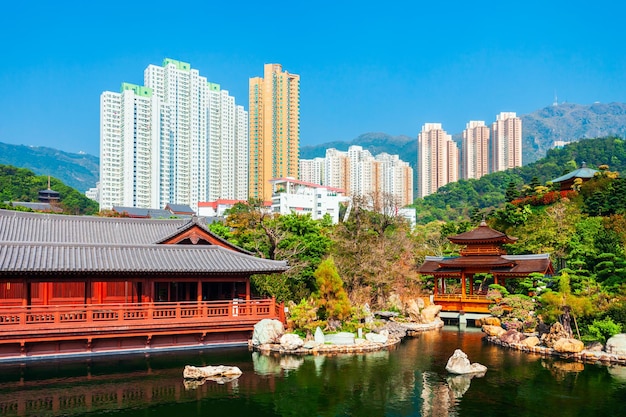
408,380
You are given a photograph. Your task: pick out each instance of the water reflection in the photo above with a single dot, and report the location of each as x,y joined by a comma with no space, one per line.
407,380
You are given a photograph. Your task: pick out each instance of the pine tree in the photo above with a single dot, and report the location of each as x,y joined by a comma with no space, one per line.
331,297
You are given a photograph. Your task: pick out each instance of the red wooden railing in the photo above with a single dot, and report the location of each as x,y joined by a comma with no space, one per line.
85,317
468,303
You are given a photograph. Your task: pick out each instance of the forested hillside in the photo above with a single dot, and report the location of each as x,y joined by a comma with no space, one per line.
79,171
20,184
461,199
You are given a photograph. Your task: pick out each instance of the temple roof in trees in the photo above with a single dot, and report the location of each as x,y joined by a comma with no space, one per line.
483,253
503,265
50,243
583,172
481,234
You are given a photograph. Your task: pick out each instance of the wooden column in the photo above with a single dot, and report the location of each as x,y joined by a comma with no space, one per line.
199,290
248,292
463,285
471,280
436,286
88,299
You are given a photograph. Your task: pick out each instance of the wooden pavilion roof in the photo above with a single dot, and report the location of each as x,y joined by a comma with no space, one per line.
481,234
502,265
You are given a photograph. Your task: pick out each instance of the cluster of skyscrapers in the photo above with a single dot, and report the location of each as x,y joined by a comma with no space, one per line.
182,139
359,173
484,150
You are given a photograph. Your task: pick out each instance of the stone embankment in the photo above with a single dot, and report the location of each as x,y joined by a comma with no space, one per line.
586,356
558,343
385,337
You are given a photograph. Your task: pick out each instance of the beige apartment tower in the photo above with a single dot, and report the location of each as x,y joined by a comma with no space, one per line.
506,142
475,150
274,129
437,159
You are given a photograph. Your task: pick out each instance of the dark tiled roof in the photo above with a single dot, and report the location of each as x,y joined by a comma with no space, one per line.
144,212
180,209
18,226
51,258
52,242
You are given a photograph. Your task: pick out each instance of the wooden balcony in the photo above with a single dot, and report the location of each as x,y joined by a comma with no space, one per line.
467,303
34,330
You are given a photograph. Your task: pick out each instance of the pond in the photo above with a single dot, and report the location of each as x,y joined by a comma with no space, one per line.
407,380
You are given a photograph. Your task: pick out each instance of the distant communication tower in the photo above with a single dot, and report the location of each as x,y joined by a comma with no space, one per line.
556,99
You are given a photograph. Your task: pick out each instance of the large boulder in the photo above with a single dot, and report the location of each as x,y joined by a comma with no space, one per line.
531,341
460,364
412,311
430,313
512,336
616,344
490,321
291,341
567,345
496,331
267,331
556,332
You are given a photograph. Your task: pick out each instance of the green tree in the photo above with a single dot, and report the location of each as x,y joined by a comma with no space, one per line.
331,297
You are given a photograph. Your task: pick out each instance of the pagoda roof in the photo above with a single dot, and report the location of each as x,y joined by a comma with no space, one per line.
582,172
502,265
481,234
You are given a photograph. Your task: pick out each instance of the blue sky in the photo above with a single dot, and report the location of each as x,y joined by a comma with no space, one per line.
365,66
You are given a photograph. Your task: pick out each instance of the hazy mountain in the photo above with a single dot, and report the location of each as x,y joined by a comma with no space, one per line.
540,129
79,171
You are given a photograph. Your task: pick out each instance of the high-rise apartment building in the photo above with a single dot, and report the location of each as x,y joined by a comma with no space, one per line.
274,129
384,177
475,150
172,141
312,170
506,142
437,159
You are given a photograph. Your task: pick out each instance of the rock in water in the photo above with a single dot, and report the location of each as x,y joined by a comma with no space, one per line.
459,364
201,372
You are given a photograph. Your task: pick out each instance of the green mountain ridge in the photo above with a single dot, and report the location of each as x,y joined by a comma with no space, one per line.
79,171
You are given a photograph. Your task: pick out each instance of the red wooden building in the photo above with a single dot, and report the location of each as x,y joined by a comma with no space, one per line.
81,284
484,254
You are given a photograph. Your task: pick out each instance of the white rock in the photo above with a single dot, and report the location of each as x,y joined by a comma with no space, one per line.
377,337
291,341
267,331
319,336
460,364
616,344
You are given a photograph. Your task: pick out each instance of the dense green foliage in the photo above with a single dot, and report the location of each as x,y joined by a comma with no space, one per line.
20,184
465,199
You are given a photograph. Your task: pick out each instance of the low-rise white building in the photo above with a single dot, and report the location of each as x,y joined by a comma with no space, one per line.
290,195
